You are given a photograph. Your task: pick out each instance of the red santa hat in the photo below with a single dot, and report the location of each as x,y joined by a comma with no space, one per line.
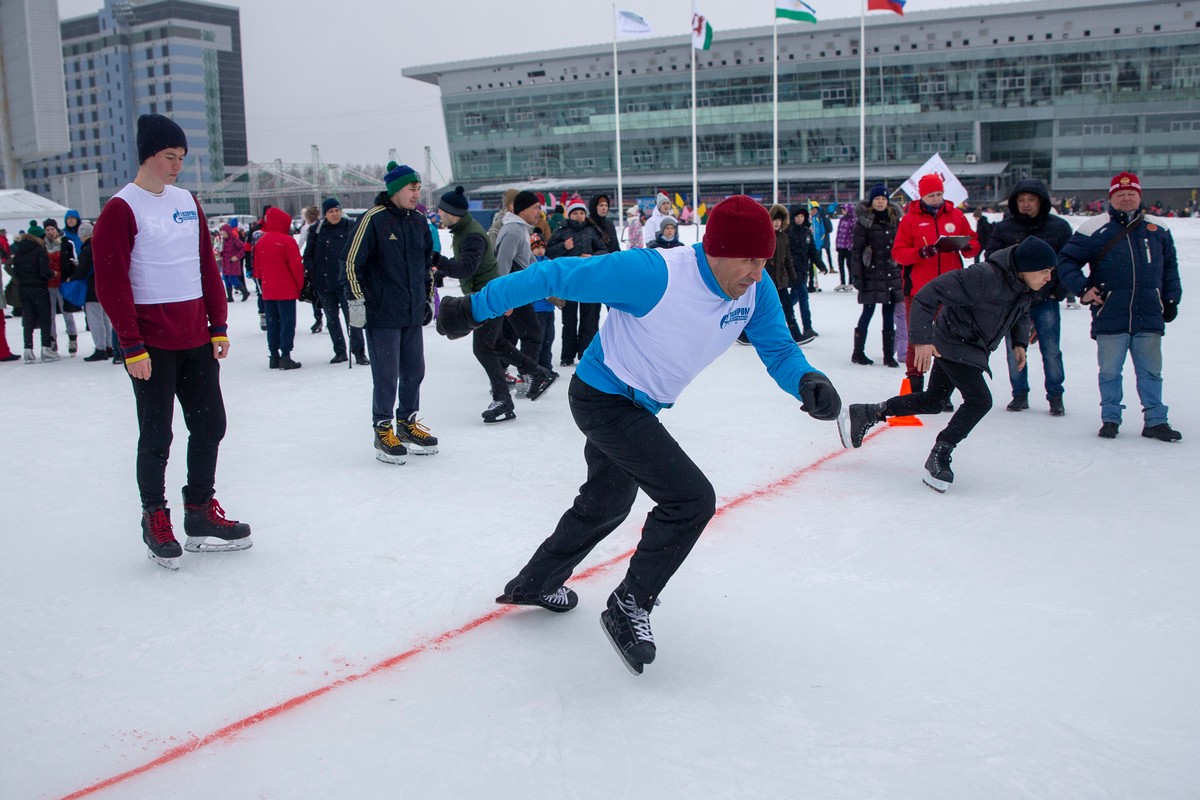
576,202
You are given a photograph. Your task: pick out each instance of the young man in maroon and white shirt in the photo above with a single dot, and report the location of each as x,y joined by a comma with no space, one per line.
158,281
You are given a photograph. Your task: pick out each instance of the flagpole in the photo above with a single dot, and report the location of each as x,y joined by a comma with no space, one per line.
862,102
617,118
695,151
775,108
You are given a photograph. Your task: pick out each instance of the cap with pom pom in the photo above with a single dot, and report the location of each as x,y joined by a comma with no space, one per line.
455,202
398,176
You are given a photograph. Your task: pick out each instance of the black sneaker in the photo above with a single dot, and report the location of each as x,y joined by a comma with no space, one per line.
806,336
388,447
937,467
539,382
99,355
566,362
362,360
1109,430
627,626
273,362
159,536
415,436
285,362
499,411
1163,432
207,520
560,600
1020,402
1057,409
863,416
339,358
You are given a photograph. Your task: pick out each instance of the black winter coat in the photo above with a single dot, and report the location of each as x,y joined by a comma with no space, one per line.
1017,227
779,265
874,273
980,305
606,232
31,263
323,251
388,262
803,248
586,240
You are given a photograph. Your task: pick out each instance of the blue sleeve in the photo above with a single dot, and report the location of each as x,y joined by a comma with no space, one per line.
632,281
768,332
1077,252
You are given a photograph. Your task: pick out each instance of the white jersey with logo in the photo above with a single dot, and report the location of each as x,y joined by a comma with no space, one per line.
661,352
165,262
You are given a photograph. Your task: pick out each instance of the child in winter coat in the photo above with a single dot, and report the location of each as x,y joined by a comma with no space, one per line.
957,320
668,234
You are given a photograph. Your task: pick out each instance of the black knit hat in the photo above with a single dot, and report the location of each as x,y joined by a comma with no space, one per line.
155,133
455,202
1034,255
329,204
524,200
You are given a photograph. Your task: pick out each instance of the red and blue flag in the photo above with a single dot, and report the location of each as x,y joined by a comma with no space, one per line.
886,5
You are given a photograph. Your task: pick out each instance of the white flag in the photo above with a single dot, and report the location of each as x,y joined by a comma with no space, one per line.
955,192
632,26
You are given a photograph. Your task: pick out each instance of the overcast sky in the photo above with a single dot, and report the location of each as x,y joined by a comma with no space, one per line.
327,72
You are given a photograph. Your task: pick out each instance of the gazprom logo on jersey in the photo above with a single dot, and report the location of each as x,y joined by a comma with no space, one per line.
181,217
737,315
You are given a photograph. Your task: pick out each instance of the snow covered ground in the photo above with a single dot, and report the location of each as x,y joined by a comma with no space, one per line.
840,631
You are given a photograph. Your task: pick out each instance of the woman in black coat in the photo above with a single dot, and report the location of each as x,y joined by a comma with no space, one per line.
874,274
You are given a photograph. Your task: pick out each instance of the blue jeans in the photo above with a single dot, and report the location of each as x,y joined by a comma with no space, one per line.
1146,349
545,357
1047,321
800,295
281,326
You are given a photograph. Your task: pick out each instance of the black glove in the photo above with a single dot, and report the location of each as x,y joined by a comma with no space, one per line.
437,257
428,312
928,251
821,400
1170,310
455,319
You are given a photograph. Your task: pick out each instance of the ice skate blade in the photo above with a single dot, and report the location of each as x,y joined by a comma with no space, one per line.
509,600
386,459
634,667
933,483
843,423
505,418
166,563
420,450
213,544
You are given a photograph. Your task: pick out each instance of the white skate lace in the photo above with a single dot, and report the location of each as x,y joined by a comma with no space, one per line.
558,597
495,405
639,618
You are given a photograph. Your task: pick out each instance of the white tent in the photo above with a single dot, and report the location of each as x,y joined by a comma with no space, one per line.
18,206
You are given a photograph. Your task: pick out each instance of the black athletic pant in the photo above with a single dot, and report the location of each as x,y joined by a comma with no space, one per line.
35,313
525,325
843,263
627,448
945,377
397,370
193,376
493,351
580,322
332,302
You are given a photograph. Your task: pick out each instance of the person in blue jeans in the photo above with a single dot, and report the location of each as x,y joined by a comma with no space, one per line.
1133,287
1029,214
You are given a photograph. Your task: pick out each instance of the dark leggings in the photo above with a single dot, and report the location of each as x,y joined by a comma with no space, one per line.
627,449
868,311
35,313
945,377
193,376
493,351
843,263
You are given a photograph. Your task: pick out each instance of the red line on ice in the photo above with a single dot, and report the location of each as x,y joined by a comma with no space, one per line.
175,753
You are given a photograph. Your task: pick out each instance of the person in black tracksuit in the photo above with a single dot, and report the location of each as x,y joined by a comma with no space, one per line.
804,259
957,320
585,242
31,270
1029,214
327,240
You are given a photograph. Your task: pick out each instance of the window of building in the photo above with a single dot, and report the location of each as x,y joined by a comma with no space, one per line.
1010,83
150,71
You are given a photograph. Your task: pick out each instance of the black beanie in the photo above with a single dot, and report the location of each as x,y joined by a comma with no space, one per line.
1034,255
524,200
155,133
330,204
455,202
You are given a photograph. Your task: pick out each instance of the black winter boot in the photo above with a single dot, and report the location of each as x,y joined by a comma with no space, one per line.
860,343
889,349
1020,402
937,466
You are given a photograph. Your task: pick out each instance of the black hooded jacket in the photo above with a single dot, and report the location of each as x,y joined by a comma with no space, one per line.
1017,227
606,232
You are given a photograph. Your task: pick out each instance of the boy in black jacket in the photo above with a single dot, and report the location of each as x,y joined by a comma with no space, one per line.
979,306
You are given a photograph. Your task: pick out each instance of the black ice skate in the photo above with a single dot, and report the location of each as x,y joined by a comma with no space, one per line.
388,447
560,600
159,536
627,626
539,382
937,468
500,411
415,436
860,418
208,531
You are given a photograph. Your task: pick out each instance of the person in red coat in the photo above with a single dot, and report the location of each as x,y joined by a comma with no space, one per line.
924,252
280,272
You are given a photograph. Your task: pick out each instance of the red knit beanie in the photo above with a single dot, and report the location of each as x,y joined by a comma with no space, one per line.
1126,180
738,227
930,183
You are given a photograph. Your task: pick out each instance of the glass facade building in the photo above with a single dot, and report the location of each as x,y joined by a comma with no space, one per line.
173,57
1066,91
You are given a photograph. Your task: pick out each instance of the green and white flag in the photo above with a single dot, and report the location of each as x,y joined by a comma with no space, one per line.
702,32
795,10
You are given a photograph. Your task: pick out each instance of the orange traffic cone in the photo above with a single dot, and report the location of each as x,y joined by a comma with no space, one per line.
900,422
